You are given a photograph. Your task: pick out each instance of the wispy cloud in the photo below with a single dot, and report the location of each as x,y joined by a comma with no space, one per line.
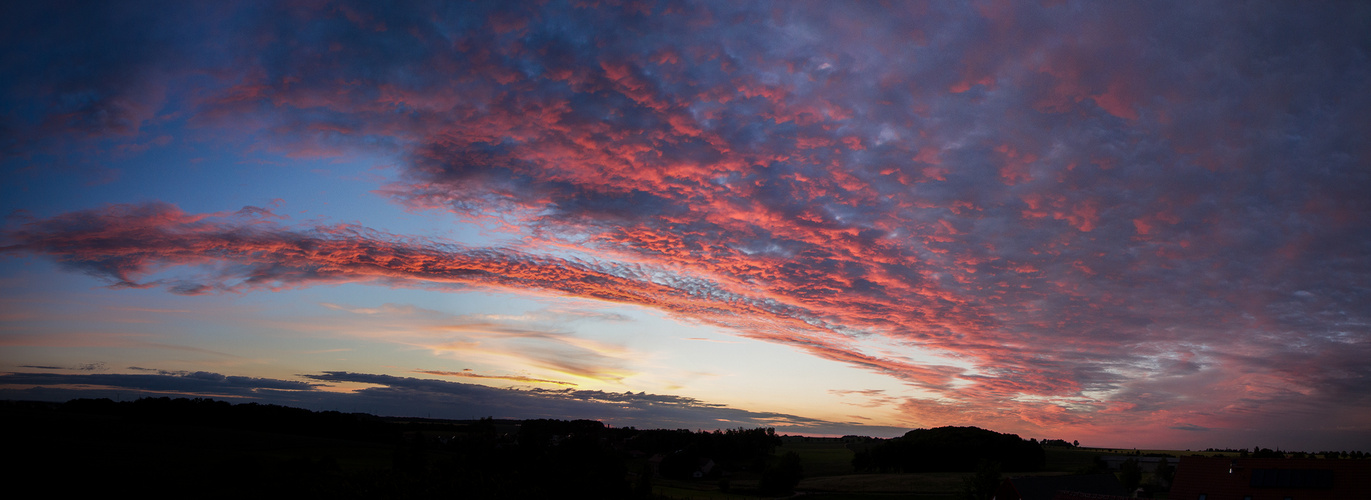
149,310
468,373
536,340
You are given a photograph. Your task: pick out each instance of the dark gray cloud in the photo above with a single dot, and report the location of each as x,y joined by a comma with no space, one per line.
1189,427
407,396
199,382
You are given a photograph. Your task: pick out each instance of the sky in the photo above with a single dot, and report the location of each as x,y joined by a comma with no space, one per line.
1132,224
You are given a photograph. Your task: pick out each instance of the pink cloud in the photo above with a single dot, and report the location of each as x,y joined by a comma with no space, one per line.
986,182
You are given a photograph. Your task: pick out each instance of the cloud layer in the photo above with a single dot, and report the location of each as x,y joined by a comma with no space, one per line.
1105,213
405,396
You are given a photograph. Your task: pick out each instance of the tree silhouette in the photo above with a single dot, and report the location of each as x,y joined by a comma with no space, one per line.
782,478
982,486
1130,474
1165,472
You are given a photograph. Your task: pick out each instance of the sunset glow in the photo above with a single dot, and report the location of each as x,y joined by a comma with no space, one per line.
1124,223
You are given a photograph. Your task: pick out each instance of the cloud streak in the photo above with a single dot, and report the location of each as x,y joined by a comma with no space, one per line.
468,373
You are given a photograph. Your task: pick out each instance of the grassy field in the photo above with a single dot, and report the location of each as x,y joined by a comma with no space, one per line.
928,483
931,486
680,492
821,458
1069,460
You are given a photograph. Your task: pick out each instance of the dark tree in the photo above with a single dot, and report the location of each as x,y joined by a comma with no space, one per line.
682,464
1165,472
982,486
782,478
1130,474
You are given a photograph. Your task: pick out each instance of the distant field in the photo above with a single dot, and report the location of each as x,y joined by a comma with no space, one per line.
676,492
1074,459
1069,459
927,483
828,474
821,458
832,458
931,486
1178,453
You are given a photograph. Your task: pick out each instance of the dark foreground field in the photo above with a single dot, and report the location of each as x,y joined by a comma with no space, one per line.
829,474
205,448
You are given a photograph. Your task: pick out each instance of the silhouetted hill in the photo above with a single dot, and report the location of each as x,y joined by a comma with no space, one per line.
951,449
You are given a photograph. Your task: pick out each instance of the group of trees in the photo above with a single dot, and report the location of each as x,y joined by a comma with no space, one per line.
781,478
584,458
1057,442
1259,452
727,452
983,484
730,449
1131,475
949,449
1343,454
542,458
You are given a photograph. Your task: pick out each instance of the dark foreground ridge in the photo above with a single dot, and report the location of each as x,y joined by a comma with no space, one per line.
206,448
202,448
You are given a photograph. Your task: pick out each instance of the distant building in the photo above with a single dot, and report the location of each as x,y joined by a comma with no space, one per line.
1093,486
1218,478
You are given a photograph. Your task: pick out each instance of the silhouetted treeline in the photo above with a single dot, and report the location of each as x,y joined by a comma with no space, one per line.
245,416
543,459
949,449
720,454
1056,442
165,447
1259,452
685,452
207,448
